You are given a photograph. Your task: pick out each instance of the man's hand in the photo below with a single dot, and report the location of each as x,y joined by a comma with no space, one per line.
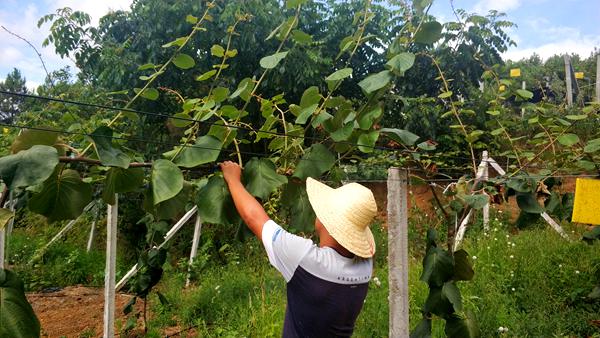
232,172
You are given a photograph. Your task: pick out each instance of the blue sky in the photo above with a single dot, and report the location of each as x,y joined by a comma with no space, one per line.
546,27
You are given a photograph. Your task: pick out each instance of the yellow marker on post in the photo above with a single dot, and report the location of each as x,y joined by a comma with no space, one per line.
5,130
587,201
515,72
579,75
502,88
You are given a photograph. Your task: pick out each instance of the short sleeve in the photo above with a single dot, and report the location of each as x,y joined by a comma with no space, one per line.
285,250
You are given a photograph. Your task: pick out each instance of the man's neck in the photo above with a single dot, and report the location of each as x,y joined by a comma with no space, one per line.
336,246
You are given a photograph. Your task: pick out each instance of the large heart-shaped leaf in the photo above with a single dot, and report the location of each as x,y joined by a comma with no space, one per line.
568,140
375,82
467,327
437,303
429,32
400,135
339,75
271,61
366,141
423,330
261,178
108,155
214,202
294,200
171,208
206,149
528,203
63,196
28,167
401,62
30,137
316,161
452,293
167,180
438,267
119,180
463,270
476,201
17,319
366,119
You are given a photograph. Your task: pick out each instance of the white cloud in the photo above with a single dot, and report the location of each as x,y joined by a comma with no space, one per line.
583,46
483,6
96,9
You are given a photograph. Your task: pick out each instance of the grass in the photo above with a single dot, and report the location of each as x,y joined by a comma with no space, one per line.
532,282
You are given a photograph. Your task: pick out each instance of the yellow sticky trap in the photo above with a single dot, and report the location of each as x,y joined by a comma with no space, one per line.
587,201
579,75
515,72
502,88
5,130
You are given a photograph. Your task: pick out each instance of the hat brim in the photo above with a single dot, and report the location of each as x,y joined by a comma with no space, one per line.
325,203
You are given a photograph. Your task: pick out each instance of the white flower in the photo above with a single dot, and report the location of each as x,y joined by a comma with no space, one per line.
499,211
507,236
488,247
513,244
495,219
576,271
560,265
511,256
495,238
217,287
474,257
376,281
513,289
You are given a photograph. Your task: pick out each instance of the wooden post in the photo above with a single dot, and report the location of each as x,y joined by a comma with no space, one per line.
92,231
195,243
109,273
568,80
486,176
598,79
397,219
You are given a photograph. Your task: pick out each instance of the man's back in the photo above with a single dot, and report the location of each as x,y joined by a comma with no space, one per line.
325,290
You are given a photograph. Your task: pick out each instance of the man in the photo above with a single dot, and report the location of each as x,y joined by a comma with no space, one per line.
326,284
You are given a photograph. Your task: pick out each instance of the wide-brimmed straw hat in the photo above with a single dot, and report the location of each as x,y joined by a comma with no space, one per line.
346,213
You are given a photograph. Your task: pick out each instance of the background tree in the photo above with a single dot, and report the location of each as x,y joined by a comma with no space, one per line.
11,106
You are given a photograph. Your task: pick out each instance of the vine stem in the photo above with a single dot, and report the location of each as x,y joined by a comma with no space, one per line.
512,144
160,71
454,111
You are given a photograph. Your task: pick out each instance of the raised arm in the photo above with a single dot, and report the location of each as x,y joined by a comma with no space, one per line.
250,210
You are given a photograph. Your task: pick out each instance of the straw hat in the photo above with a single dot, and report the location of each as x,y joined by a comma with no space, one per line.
346,213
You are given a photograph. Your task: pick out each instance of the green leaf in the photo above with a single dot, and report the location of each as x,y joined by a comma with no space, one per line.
206,149
497,132
271,61
28,167
522,184
437,303
375,82
294,3
528,203
342,134
524,93
445,94
184,61
177,42
243,90
452,293
429,33
295,203
30,137
119,180
5,216
144,67
419,6
592,146
463,270
426,145
438,267
366,142
217,50
167,180
214,202
219,94
316,161
339,75
423,330
306,113
568,140
493,112
63,196
261,178
207,75
171,208
301,37
17,319
181,120
401,62
191,19
401,136
477,201
108,155
576,117
366,119
148,93
457,327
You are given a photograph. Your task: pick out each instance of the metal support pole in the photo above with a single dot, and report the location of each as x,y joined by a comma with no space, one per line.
92,232
109,274
195,243
397,214
523,86
486,176
569,81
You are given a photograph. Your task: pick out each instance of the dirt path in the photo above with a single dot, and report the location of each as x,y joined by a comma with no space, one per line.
74,311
